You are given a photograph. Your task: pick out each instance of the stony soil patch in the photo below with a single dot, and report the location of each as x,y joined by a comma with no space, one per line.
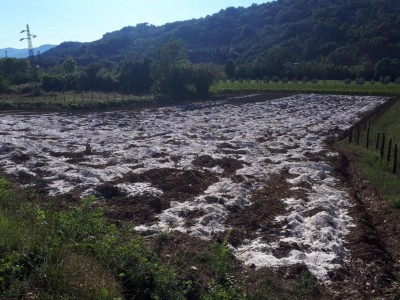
260,168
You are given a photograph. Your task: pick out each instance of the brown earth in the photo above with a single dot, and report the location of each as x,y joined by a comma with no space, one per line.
373,271
176,184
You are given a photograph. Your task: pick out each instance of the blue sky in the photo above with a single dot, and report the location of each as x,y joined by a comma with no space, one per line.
56,21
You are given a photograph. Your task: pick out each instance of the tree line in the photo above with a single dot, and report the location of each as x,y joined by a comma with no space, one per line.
168,72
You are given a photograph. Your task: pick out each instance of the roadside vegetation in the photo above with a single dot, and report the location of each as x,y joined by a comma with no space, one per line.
369,161
78,253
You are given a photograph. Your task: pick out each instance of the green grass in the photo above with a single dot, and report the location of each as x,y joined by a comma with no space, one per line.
377,170
321,86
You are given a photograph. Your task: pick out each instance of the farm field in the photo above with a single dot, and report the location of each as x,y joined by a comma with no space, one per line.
319,86
257,172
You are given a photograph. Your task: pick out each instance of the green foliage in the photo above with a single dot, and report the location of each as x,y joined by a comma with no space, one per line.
222,260
219,292
135,77
69,65
204,75
322,86
171,69
379,171
53,83
76,254
306,285
230,69
15,71
331,39
81,226
3,85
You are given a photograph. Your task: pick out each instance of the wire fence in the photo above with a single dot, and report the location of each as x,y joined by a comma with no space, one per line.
362,135
72,99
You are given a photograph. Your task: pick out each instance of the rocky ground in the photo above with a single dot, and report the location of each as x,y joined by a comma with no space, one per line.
259,172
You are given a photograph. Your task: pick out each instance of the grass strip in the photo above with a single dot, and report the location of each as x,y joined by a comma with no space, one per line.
320,86
378,170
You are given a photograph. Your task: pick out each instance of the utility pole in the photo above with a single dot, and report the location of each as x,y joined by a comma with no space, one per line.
29,37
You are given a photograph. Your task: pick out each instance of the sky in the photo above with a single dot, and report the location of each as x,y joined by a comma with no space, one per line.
57,21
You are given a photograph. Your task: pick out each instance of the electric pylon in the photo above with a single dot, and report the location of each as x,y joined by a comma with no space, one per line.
29,37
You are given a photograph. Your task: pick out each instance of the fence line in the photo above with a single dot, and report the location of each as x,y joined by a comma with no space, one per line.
73,98
364,124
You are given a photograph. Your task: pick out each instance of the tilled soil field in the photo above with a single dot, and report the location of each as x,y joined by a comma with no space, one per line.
260,170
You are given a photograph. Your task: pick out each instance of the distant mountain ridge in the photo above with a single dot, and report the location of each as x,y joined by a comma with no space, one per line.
23,53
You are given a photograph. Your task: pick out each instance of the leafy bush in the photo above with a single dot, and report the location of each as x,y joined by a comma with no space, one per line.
385,79
394,202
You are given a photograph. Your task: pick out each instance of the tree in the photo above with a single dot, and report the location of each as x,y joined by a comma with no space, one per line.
53,83
274,60
230,69
69,65
204,75
171,69
387,67
3,85
136,76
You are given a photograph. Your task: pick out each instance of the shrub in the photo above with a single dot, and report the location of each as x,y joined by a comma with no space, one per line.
314,81
397,81
394,202
304,79
387,79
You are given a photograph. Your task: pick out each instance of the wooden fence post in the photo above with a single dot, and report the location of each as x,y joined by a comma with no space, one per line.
389,150
383,145
377,141
367,143
351,135
395,159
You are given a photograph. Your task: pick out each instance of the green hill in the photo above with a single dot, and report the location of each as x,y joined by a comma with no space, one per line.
339,32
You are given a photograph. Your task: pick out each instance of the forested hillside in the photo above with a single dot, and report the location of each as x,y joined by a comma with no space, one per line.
263,38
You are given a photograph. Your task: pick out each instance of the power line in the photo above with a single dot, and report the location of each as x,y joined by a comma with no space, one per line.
29,37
